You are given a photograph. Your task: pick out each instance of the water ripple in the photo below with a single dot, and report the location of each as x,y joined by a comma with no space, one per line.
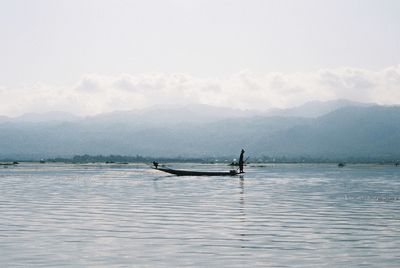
56,215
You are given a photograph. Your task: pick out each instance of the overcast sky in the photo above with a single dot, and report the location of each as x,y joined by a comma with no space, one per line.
89,57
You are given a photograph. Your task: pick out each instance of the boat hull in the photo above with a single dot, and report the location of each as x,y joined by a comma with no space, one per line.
198,173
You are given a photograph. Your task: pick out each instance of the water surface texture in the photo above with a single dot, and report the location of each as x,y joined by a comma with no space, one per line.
54,215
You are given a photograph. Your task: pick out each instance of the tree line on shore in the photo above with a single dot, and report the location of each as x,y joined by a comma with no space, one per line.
125,159
86,158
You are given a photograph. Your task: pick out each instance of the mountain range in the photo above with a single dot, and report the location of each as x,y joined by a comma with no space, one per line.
324,130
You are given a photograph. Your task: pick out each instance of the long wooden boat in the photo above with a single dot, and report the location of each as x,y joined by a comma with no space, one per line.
198,173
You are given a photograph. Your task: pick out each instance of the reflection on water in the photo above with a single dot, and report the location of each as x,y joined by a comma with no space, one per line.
130,215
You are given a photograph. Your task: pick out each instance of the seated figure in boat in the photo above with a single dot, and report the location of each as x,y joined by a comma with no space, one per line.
155,164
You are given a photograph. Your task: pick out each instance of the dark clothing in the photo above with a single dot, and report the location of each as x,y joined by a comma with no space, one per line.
241,162
155,164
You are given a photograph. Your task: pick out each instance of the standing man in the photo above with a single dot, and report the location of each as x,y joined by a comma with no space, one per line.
241,162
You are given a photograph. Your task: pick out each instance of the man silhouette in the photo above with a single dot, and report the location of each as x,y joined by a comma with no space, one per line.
241,162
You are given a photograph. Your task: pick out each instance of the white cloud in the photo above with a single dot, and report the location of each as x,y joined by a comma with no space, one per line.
97,94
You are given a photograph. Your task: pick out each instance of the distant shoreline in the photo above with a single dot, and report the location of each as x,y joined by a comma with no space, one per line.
119,159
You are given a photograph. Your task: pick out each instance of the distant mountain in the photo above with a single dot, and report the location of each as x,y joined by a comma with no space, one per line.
149,116
196,113
4,119
315,109
46,117
363,132
164,116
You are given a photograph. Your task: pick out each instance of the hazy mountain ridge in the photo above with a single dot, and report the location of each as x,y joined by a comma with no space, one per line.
184,113
315,109
361,131
347,132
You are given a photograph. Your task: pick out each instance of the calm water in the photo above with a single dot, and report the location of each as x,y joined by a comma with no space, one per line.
55,215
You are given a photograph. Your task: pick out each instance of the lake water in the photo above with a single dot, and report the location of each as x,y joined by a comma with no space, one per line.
54,215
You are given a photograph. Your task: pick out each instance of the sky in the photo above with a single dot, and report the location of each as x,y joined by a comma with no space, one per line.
94,56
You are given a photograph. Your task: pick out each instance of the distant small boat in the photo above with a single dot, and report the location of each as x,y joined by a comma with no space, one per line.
341,164
9,164
198,173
